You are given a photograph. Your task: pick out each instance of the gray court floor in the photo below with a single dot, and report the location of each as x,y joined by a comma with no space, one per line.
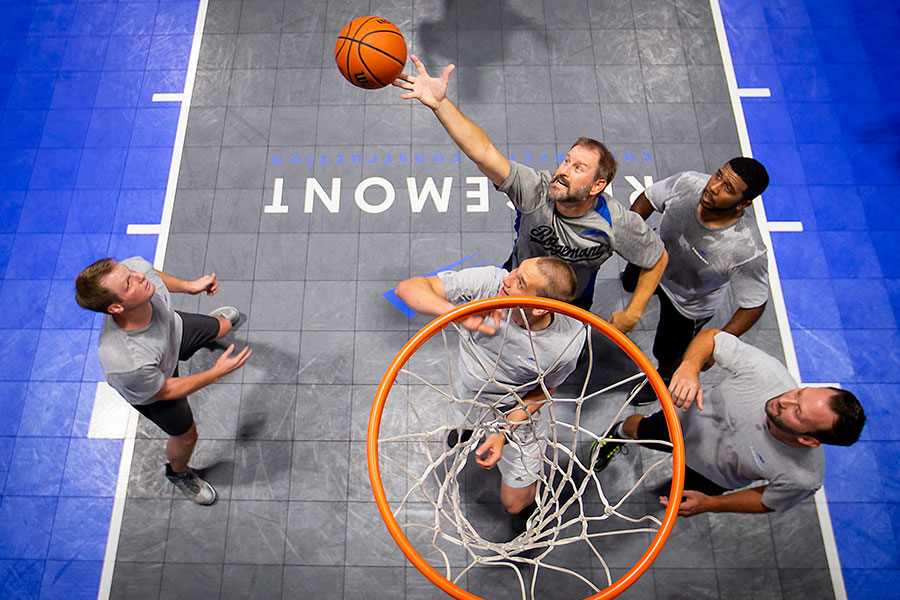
283,440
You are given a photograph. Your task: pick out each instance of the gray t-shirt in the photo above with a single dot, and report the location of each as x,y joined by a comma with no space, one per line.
137,363
584,242
556,347
704,260
728,441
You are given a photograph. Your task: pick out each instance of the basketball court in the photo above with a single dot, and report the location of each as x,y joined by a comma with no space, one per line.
311,199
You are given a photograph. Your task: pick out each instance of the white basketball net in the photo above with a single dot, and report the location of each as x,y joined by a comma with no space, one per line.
572,531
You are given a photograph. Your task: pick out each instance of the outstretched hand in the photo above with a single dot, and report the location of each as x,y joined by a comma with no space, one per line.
227,363
685,389
481,321
429,90
692,503
207,283
489,452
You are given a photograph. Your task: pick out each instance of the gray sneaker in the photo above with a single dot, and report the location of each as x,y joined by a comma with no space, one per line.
229,312
192,486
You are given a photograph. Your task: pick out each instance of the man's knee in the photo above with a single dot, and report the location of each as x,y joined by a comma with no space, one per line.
224,327
188,437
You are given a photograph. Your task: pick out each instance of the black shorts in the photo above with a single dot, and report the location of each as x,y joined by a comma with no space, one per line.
674,331
175,416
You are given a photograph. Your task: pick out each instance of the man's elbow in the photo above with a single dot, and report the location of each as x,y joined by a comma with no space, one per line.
404,287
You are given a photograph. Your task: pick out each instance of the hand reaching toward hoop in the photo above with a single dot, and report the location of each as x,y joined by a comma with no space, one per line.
481,321
429,90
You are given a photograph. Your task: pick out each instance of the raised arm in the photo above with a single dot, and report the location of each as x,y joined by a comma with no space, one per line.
207,283
743,319
685,384
471,139
744,501
491,449
626,320
642,206
427,296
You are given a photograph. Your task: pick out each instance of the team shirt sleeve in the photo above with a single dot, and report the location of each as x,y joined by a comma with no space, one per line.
659,193
779,497
524,186
138,386
635,241
471,284
750,282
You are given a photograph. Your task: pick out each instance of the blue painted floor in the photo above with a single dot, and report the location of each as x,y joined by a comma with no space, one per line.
830,135
84,151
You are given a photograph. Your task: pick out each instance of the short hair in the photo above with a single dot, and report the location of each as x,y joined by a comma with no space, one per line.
850,419
607,165
89,293
753,174
559,279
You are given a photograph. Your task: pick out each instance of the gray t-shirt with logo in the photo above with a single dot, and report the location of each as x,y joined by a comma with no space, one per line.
703,260
137,363
556,347
728,441
585,242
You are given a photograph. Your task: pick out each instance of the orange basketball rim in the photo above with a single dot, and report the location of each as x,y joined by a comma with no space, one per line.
598,324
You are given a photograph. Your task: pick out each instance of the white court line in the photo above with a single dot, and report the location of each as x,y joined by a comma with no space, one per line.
754,92
168,97
784,327
786,226
143,229
115,524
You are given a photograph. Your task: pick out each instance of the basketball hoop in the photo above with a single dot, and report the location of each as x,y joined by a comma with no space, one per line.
426,493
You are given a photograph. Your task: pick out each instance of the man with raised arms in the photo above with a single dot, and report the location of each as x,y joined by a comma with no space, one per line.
753,444
531,340
713,247
143,338
562,214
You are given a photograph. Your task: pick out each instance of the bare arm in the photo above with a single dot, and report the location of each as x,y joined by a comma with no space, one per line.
471,139
489,452
207,283
744,501
625,320
427,296
685,384
743,319
642,206
179,387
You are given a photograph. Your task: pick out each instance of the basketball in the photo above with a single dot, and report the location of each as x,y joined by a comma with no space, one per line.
370,52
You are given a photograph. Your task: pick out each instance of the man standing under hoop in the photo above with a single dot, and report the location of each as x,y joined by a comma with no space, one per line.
562,214
712,247
519,348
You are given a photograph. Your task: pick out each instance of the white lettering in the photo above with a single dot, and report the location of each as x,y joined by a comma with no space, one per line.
638,188
276,206
332,203
374,209
481,194
417,201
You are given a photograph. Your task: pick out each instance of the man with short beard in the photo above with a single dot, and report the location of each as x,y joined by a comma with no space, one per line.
713,248
755,427
562,214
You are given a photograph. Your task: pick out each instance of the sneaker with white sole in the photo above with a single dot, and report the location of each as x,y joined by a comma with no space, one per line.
229,312
195,488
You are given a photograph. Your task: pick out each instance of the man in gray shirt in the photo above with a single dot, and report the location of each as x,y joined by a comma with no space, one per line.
532,345
141,342
712,248
755,427
562,214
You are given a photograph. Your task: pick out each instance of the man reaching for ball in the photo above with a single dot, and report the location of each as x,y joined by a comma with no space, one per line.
561,214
